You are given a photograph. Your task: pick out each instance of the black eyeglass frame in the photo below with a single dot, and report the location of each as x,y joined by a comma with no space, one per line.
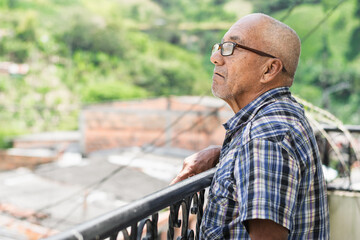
261,53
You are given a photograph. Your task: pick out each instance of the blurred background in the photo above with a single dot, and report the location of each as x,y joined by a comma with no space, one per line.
58,55
101,100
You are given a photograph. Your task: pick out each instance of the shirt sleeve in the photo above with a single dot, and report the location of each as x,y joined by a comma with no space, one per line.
267,180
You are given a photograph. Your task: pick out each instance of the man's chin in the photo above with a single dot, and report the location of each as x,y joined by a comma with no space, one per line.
214,91
217,93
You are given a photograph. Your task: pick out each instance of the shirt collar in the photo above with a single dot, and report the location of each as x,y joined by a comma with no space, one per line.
248,112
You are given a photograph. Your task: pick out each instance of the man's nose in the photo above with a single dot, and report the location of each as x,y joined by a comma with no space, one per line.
216,58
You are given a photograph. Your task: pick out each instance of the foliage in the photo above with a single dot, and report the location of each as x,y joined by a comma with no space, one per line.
271,7
109,91
26,27
88,35
8,3
164,69
18,51
6,134
91,56
326,75
196,11
198,16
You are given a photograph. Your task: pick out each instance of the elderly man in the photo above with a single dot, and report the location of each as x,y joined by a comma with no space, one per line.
269,182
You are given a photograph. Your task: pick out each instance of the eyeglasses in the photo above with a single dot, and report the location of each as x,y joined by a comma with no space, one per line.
227,49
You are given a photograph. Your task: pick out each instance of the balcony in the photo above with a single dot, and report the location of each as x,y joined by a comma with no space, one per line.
182,205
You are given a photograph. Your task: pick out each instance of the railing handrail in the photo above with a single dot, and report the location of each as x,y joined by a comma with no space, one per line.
350,128
132,213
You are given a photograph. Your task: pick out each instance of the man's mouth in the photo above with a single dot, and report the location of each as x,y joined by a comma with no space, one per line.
216,73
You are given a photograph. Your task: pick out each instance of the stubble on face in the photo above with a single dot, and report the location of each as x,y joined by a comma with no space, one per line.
239,71
228,69
218,86
226,78
221,86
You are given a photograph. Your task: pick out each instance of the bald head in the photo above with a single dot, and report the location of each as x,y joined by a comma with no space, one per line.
272,36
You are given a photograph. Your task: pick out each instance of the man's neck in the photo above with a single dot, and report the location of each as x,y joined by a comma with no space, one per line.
243,100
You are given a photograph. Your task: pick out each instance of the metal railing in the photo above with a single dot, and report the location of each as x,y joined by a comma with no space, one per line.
325,148
141,217
185,198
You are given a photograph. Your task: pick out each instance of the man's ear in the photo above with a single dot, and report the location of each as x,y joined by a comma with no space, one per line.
272,68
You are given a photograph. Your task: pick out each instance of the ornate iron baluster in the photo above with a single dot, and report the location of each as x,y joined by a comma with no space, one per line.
125,234
114,236
191,205
185,209
174,221
151,228
198,209
133,234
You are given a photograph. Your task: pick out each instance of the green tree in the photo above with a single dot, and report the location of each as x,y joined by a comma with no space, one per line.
110,91
26,28
270,7
8,3
88,35
354,46
17,51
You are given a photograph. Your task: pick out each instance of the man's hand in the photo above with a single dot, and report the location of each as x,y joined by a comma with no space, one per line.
199,162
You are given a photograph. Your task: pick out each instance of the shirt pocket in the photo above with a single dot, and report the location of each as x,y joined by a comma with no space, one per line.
223,182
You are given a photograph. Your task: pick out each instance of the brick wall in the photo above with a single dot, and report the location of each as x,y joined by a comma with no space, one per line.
54,140
191,123
10,161
32,150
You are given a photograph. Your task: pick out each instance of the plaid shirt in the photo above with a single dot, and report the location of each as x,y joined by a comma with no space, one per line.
269,168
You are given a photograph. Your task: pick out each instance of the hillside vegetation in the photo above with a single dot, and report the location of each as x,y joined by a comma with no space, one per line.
86,51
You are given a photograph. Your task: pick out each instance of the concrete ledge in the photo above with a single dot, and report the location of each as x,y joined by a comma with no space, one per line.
344,215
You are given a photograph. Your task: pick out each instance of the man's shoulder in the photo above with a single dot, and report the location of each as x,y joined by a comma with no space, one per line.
277,119
281,108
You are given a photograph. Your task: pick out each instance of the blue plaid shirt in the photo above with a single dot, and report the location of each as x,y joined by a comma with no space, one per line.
269,168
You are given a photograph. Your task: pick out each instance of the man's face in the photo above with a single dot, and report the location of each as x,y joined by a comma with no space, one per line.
237,75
